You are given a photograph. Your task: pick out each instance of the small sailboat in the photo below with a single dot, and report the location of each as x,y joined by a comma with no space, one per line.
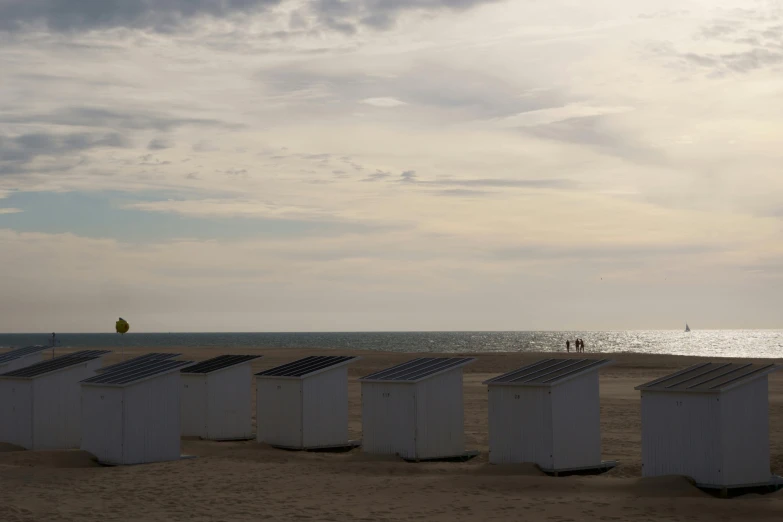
687,328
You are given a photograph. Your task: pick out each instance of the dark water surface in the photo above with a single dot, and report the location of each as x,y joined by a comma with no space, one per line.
725,343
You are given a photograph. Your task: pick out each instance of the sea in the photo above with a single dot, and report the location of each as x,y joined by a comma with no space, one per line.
705,343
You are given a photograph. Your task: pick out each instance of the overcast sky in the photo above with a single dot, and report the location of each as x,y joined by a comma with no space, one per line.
265,165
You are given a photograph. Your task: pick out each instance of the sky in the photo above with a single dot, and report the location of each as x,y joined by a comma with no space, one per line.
341,165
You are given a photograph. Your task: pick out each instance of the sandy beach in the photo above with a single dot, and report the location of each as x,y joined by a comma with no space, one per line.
247,481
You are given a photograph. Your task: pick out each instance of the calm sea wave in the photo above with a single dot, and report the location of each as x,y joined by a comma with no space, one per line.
721,343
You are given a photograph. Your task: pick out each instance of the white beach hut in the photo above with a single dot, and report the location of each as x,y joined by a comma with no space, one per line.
216,400
39,404
709,422
136,360
21,357
548,413
304,404
132,415
415,409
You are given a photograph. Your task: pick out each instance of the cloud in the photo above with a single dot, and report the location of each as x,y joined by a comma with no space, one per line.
664,14
383,102
449,91
628,252
347,16
151,160
409,176
772,267
343,16
597,132
205,146
720,30
507,183
378,175
471,186
17,152
215,207
463,193
742,62
757,44
555,114
86,15
10,210
159,144
138,119
474,184
315,157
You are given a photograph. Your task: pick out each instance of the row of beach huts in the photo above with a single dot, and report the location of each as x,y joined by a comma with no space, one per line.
709,421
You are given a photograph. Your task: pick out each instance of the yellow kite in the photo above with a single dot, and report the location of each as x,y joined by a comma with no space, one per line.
122,326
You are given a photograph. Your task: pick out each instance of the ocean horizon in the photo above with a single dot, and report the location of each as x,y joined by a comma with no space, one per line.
760,343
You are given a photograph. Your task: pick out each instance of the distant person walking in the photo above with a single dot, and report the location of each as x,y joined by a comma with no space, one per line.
568,345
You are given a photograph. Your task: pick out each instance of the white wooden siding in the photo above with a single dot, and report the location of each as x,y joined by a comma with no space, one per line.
325,409
440,426
57,408
520,425
228,403
193,405
681,435
279,411
102,423
16,412
745,427
152,420
576,423
389,419
93,366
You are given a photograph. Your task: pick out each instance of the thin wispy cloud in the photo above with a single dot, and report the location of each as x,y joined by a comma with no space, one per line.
160,144
383,102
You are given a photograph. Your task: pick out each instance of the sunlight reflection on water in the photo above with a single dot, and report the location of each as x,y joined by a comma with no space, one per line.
721,343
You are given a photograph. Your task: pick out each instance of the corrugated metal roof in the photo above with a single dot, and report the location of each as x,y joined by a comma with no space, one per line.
21,352
548,372
58,363
218,363
709,377
306,366
418,369
141,358
133,373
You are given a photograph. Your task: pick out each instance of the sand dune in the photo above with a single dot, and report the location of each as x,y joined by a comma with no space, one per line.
248,481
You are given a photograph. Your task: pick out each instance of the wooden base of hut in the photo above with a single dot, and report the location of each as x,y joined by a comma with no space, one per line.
114,465
603,467
462,457
348,446
775,483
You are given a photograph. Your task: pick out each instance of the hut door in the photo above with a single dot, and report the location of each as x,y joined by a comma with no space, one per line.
193,400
